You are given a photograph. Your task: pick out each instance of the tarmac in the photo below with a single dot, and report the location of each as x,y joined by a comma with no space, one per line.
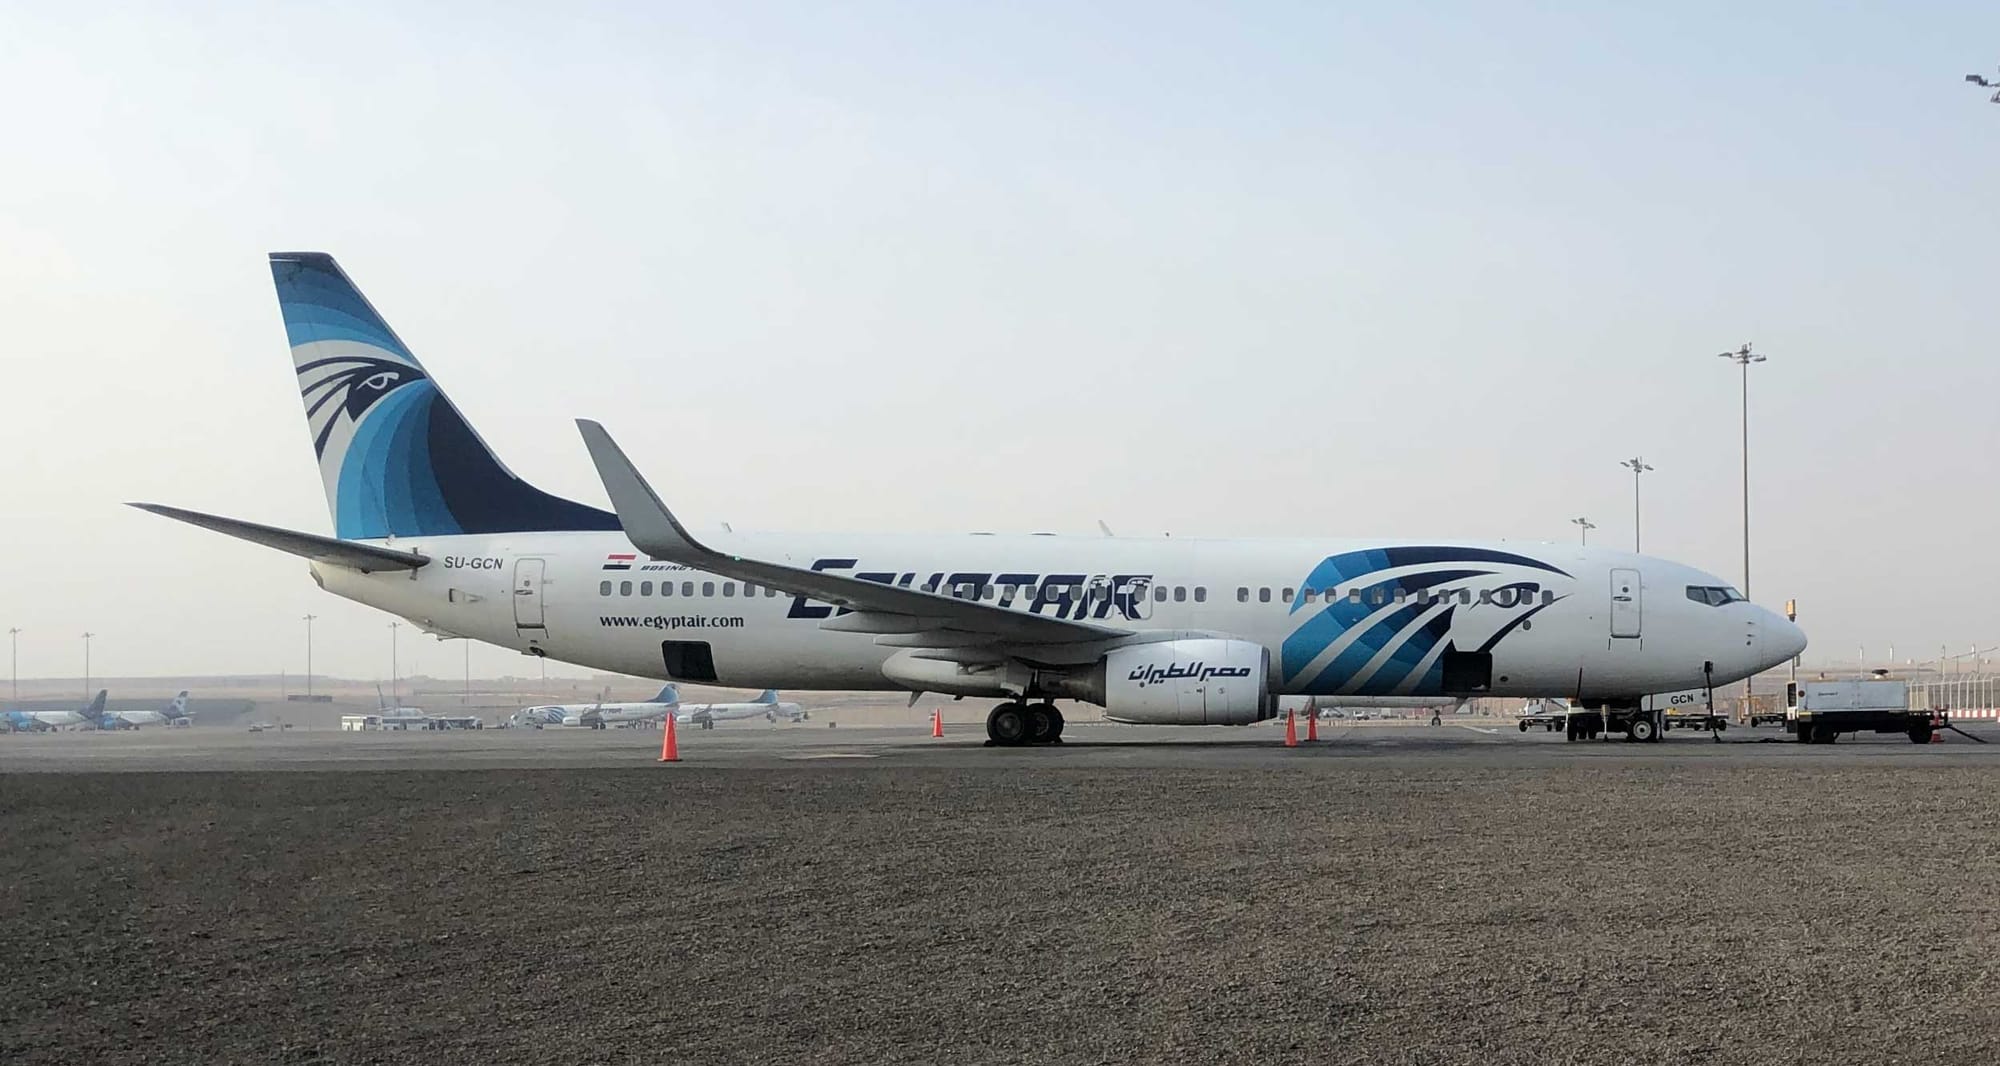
1396,893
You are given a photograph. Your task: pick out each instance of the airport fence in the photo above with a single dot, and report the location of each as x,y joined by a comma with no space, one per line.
1964,697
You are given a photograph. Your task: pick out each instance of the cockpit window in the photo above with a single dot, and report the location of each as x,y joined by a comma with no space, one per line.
1713,595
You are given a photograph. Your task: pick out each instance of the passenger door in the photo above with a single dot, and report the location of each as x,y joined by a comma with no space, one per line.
528,574
1625,603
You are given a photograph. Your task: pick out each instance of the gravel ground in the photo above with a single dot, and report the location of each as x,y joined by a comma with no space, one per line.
1727,911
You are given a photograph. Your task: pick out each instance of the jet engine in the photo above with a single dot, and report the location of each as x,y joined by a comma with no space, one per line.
1187,682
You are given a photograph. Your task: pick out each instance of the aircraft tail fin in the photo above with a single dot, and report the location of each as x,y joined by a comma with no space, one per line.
669,694
396,456
769,695
95,711
178,708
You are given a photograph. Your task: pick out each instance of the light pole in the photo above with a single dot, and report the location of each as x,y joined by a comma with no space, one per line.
309,656
14,658
1743,357
86,665
393,696
1637,466
1586,525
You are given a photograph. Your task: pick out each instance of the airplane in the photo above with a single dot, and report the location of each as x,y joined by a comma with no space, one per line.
765,706
1337,706
430,526
38,721
600,714
175,714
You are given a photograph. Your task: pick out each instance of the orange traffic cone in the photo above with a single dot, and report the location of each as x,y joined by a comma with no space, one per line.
937,723
1312,726
1291,731
670,748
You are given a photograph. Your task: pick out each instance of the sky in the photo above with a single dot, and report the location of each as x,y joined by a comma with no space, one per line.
1256,269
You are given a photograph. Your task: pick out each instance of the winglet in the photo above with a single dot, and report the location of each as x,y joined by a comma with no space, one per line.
648,524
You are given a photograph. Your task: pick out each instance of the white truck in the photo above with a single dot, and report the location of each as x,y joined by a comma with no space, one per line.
1819,711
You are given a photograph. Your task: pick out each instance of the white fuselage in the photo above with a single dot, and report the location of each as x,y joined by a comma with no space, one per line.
608,713
142,718
1558,620
736,712
59,719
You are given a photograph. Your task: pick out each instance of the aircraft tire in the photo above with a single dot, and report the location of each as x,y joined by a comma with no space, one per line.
1007,725
1041,725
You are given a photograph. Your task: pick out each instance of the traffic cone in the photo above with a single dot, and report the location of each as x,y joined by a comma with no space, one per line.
1291,731
1312,726
937,723
670,747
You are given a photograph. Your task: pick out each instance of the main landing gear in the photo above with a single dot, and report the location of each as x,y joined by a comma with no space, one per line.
1014,724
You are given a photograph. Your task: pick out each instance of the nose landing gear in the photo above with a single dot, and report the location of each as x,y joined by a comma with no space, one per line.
1015,724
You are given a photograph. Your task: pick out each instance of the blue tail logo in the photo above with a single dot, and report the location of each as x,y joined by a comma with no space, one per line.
397,458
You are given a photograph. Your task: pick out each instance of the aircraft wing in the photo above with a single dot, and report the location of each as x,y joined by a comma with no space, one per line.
886,610
363,557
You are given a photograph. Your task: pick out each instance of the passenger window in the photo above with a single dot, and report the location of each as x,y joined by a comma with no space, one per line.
708,588
604,588
624,588
1306,595
1548,596
666,588
1485,596
729,588
1354,595
1160,594
1402,595
769,592
1264,594
1180,593
987,592
1378,596
1242,594
687,588
1286,597
645,588
749,590
1201,594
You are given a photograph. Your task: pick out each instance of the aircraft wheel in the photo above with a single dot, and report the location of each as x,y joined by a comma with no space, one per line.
1007,725
1041,724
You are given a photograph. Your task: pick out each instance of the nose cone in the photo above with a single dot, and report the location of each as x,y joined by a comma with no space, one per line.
1783,640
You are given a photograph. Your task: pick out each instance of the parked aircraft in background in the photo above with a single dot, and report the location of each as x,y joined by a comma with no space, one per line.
600,715
173,714
430,526
37,721
765,706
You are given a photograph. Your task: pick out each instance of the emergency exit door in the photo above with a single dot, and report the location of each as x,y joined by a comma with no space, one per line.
528,597
1625,603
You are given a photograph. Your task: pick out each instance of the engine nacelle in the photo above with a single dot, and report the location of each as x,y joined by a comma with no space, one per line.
1188,682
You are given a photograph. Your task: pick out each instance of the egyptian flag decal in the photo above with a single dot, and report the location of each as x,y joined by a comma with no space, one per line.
616,561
